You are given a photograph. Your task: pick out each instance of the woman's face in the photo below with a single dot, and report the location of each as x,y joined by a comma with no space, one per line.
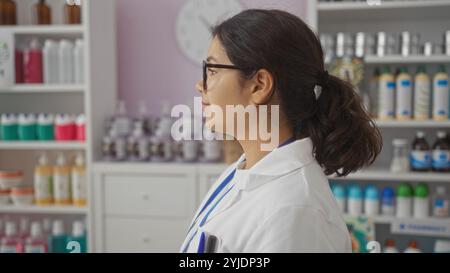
224,87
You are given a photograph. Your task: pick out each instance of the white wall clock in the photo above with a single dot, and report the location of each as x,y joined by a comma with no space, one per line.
194,22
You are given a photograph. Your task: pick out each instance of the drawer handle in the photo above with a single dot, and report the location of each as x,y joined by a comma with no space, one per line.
146,240
145,196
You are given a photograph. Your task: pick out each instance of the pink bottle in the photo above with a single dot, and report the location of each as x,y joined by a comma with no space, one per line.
32,60
11,243
81,128
65,129
36,242
19,65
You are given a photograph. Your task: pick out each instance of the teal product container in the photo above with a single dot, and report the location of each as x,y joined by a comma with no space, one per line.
58,239
8,128
76,243
27,127
45,127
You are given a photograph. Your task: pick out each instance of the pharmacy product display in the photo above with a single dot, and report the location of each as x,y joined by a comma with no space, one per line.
381,44
391,247
406,201
42,127
403,96
41,236
8,10
145,139
63,183
50,62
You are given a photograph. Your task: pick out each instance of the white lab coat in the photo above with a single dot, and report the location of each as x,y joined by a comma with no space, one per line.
282,204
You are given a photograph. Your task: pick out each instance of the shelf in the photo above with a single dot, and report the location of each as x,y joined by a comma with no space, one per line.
43,145
407,60
43,210
386,175
435,227
413,124
46,30
394,10
43,88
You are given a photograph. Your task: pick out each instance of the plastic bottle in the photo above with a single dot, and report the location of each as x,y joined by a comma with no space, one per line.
138,144
51,62
79,61
400,160
43,182
144,119
58,239
46,227
420,159
42,13
389,247
11,243
119,146
80,132
72,12
371,201
422,94
421,201
388,202
404,95
122,123
61,181
45,127
441,203
9,127
339,194
373,92
79,187
78,235
27,127
386,95
66,62
8,12
404,201
36,242
33,66
18,63
24,228
65,128
441,153
440,95
412,248
355,200
108,148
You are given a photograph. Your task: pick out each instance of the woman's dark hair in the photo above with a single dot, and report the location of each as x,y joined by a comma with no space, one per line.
344,137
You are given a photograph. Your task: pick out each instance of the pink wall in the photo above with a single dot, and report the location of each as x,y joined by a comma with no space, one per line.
151,66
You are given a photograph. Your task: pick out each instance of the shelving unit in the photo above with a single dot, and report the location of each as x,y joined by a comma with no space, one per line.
98,31
430,19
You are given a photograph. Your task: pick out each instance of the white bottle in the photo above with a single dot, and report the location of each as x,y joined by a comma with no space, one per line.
79,61
412,248
404,201
371,201
355,201
441,203
79,187
386,95
61,181
404,95
440,95
422,94
51,62
66,62
390,247
421,206
122,123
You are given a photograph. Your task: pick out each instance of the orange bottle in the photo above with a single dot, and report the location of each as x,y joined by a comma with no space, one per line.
8,12
42,13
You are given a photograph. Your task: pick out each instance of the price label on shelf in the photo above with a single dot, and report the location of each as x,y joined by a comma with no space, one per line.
425,227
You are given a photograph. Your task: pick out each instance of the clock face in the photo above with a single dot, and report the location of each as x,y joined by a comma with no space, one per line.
194,23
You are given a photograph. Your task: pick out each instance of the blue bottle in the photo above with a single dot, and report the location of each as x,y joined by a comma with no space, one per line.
388,201
57,240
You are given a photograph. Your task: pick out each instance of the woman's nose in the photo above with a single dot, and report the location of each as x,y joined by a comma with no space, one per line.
199,87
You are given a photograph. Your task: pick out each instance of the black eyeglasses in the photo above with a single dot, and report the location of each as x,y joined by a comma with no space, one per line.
205,68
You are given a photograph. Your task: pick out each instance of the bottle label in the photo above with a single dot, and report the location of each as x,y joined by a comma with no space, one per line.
404,99
441,159
62,187
422,99
34,249
440,99
79,186
42,184
421,160
386,99
441,207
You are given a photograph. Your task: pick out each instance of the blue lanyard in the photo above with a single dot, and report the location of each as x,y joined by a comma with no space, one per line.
214,195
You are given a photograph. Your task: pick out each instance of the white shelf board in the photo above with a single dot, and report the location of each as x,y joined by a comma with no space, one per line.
43,209
43,88
413,124
42,145
382,219
394,10
386,175
398,59
46,29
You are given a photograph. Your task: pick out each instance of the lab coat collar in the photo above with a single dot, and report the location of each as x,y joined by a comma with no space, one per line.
279,162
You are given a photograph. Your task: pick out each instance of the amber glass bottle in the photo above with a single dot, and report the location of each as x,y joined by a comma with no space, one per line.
42,13
8,12
72,12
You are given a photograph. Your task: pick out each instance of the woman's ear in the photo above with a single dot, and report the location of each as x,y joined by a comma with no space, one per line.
261,87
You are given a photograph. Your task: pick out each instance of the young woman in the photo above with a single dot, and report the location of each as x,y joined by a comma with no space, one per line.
280,200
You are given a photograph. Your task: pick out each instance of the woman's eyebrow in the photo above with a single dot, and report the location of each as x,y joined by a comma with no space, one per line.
211,58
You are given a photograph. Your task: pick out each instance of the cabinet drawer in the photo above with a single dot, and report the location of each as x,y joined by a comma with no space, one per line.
144,235
150,195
